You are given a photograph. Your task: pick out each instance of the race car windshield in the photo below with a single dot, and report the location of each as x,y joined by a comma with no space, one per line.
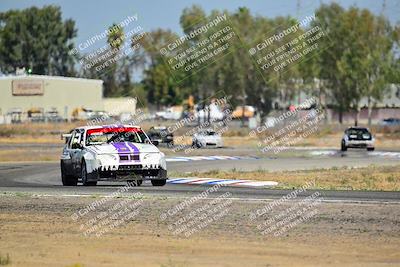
358,131
98,137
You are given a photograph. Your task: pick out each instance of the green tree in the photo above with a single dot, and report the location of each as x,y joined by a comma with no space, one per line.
116,36
354,61
38,39
329,17
360,57
378,60
159,83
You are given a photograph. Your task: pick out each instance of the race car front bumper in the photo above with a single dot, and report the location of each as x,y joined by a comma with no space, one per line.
149,166
131,172
126,172
360,144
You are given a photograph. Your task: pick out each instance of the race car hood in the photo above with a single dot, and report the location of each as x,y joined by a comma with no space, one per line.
123,148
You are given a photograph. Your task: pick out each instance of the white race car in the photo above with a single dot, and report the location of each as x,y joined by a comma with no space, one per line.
111,153
357,137
207,138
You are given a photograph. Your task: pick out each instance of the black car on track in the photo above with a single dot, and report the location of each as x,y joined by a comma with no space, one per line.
161,135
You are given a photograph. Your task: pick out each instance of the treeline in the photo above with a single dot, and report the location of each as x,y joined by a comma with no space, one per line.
359,58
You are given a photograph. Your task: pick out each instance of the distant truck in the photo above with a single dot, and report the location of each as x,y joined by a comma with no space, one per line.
243,112
171,113
83,114
212,112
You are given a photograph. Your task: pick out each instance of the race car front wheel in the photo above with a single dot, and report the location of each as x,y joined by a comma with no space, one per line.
343,148
84,176
68,180
196,144
158,182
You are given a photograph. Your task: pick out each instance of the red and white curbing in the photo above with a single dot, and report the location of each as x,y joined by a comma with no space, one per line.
225,182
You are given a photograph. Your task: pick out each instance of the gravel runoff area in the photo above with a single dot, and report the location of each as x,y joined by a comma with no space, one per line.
220,231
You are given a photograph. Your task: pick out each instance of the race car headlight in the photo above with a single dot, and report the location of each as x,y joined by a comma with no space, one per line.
107,158
152,156
366,136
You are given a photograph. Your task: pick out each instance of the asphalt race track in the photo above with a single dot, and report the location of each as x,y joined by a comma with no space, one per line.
43,178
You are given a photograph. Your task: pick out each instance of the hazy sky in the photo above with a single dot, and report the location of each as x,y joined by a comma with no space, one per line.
93,17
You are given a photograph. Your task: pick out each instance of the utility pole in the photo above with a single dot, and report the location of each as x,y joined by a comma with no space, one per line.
298,5
383,11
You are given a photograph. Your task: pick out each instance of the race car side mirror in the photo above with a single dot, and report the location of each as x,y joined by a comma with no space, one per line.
66,137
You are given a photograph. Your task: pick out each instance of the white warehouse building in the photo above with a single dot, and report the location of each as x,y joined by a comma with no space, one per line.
49,93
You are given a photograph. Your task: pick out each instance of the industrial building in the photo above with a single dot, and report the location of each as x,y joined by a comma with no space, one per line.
50,96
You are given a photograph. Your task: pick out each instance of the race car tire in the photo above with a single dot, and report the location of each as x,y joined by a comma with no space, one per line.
84,176
198,144
68,180
158,182
343,147
370,148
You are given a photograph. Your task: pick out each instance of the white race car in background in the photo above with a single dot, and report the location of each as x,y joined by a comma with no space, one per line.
111,153
207,138
357,137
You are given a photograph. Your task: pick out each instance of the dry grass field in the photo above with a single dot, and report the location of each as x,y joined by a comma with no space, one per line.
381,178
38,231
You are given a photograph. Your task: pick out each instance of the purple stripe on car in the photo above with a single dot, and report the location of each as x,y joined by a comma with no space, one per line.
121,148
135,151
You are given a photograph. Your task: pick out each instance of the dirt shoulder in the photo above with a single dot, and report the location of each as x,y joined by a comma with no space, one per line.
39,231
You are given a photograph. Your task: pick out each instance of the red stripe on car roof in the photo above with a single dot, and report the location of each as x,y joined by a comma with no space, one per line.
114,130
